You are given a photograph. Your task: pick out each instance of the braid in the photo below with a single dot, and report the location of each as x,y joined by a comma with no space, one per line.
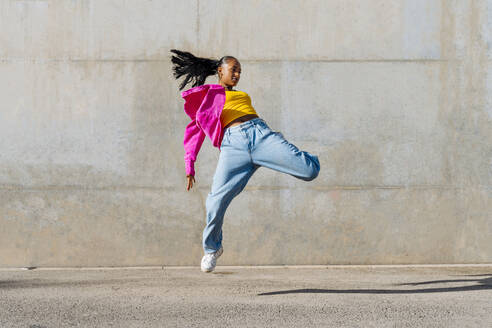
195,69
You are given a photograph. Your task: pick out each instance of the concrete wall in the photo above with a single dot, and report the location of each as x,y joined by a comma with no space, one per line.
394,96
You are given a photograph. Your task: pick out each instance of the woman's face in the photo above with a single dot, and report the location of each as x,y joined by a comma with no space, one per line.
229,73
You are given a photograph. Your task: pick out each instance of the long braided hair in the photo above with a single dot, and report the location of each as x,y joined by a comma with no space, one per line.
195,69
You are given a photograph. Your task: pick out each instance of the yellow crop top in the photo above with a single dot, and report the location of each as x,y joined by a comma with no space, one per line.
237,104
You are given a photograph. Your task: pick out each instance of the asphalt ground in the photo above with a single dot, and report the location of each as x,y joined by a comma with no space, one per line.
288,296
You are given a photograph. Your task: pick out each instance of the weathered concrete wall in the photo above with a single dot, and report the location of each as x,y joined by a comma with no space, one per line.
394,96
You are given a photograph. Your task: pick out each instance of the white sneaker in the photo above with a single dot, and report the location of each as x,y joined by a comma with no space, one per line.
209,260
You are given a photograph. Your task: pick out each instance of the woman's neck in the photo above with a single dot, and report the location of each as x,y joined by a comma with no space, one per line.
228,88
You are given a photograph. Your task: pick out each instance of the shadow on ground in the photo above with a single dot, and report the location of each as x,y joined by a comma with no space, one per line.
482,284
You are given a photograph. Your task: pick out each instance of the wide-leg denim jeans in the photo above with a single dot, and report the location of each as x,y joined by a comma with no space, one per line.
244,149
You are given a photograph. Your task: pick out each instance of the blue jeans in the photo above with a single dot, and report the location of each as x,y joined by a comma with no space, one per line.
244,149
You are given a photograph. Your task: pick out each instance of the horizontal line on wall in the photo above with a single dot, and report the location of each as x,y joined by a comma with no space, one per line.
116,60
369,187
207,187
353,60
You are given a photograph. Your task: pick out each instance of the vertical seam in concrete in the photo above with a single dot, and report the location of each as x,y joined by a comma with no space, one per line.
198,25
448,100
476,86
474,117
448,74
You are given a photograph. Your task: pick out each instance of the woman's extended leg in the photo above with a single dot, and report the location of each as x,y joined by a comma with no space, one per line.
272,150
233,171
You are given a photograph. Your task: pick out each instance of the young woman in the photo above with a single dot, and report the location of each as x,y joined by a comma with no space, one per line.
245,141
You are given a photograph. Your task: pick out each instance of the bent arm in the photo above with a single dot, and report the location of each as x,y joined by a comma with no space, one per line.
193,140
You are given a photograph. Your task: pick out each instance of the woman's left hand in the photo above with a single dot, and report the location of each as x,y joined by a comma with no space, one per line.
191,180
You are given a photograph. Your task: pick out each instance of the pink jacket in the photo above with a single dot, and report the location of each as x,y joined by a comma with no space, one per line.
203,104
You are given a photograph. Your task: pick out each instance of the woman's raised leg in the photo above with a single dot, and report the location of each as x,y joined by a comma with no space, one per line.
272,150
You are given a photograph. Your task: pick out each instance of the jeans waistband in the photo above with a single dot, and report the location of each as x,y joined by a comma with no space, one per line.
245,125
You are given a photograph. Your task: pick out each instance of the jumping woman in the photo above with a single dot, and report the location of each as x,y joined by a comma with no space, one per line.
245,141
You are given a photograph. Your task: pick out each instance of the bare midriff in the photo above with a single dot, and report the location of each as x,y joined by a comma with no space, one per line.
240,120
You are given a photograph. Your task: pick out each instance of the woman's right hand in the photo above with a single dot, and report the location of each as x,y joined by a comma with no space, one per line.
191,180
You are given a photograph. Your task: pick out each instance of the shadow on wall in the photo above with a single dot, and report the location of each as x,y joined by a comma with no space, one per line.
482,283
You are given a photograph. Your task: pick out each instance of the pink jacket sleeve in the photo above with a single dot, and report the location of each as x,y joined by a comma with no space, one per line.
193,140
210,98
